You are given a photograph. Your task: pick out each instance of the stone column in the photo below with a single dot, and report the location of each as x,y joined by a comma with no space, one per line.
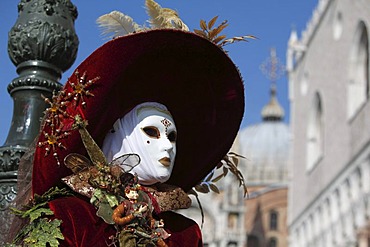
42,44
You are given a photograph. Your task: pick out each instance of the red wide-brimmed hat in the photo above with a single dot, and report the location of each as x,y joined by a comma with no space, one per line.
192,76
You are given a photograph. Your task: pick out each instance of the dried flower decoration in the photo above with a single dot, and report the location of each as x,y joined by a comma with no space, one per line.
57,116
55,112
56,108
52,141
228,164
81,88
212,33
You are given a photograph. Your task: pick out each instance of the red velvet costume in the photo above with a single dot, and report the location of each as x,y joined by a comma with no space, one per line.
200,86
90,230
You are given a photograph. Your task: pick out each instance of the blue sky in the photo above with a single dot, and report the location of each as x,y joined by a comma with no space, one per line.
269,20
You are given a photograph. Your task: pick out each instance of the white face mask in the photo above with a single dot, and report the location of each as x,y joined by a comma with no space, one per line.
149,131
158,133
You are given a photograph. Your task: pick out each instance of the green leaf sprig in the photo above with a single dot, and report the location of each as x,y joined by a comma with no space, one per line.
41,230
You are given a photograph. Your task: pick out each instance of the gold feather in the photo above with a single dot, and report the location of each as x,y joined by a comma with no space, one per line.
163,17
172,20
154,10
118,24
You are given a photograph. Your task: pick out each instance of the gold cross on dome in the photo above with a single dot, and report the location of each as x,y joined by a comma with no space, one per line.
272,68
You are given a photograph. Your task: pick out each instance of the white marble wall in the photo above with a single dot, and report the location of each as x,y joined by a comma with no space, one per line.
329,203
343,208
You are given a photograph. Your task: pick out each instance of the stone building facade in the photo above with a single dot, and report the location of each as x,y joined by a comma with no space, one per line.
231,220
328,68
266,216
265,147
222,223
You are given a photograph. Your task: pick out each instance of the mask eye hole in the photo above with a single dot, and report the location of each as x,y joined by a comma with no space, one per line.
172,136
152,132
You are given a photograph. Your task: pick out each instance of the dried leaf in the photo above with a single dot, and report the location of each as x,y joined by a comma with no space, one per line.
219,165
214,188
235,160
234,170
216,179
219,39
203,25
228,163
225,170
216,31
212,34
201,33
235,154
249,37
192,192
237,39
209,177
205,187
202,188
212,22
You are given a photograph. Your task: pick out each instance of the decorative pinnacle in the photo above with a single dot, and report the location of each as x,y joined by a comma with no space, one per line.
272,68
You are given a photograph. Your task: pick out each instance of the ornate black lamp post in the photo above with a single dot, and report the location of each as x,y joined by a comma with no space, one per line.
42,45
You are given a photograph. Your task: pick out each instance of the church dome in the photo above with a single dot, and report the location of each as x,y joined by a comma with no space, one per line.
265,146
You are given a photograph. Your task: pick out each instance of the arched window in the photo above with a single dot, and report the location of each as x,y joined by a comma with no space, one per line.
315,133
252,241
358,84
359,178
232,221
233,194
326,213
273,220
338,25
272,242
336,204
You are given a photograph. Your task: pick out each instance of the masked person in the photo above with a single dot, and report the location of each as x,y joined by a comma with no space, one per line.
171,97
